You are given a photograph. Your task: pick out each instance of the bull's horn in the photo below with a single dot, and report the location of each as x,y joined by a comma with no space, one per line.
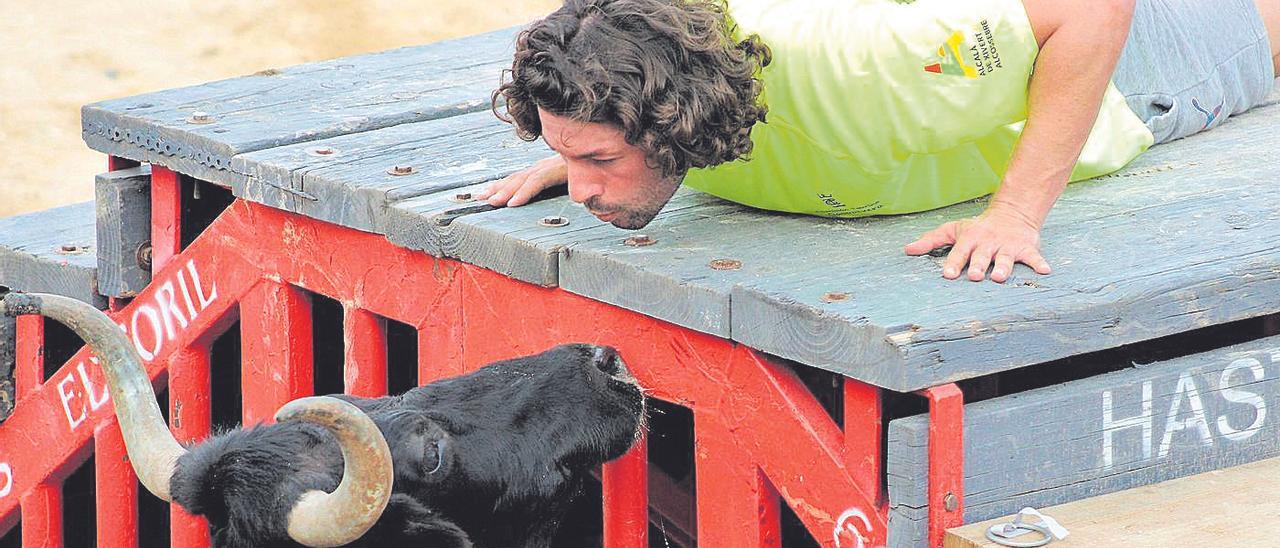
341,517
152,449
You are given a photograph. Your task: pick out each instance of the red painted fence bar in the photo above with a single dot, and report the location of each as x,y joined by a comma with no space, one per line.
364,340
625,485
275,327
42,516
190,420
28,367
761,438
116,489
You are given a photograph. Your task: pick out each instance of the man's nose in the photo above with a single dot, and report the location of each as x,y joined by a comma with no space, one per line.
583,185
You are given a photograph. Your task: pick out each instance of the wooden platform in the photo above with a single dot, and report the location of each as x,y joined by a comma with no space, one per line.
1183,238
1180,239
1235,507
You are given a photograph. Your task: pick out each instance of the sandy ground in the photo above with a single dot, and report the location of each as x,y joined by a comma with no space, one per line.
56,55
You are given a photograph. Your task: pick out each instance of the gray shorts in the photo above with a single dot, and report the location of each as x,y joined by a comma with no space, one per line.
1190,64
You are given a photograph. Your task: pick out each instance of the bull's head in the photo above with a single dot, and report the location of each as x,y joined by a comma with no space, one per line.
509,445
492,456
317,519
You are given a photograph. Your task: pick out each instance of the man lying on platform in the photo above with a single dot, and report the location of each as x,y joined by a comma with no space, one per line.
875,107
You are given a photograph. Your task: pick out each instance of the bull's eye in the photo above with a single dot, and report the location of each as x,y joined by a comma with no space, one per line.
433,457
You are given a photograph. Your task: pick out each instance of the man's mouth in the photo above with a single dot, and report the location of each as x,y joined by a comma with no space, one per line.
606,217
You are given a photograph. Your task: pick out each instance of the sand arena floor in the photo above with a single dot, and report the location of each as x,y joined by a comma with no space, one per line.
56,55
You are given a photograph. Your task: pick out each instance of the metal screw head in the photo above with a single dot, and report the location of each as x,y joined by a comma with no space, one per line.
199,117
951,502
553,221
462,197
639,240
321,151
400,170
144,256
726,264
70,249
834,297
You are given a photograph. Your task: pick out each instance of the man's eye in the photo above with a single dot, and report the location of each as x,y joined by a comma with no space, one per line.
602,161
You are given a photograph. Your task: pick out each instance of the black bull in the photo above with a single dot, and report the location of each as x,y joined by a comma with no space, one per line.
489,459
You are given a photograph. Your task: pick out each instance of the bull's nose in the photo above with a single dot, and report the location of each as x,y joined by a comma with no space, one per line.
606,360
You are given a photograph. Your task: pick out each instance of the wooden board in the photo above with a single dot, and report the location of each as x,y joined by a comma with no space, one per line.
351,185
1232,508
32,256
298,104
1097,435
1176,241
123,208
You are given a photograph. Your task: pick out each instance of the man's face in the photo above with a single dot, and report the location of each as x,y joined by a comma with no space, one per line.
606,174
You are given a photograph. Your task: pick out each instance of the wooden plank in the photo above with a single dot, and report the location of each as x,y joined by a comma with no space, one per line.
670,278
123,208
1235,507
33,258
511,240
1097,435
350,184
1156,253
302,103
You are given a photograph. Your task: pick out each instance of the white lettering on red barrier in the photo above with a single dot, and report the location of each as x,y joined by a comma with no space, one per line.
6,479
845,527
166,321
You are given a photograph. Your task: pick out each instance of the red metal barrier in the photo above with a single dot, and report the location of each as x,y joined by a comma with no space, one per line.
761,436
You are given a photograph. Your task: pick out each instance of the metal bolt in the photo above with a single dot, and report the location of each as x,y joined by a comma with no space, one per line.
321,151
400,170
726,264
144,256
834,297
462,197
553,221
199,117
69,249
639,240
951,502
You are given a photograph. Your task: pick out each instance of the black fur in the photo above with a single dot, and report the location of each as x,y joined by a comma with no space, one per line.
517,437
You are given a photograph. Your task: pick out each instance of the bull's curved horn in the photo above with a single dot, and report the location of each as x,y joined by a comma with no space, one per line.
152,449
337,518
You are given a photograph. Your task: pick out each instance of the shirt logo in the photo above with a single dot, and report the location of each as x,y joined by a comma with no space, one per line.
951,58
969,56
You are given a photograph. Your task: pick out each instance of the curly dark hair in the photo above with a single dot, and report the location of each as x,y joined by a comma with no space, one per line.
666,72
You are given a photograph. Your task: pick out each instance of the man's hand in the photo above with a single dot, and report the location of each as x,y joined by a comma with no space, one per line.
999,233
519,187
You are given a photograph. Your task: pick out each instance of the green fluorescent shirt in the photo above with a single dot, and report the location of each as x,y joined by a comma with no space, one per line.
877,107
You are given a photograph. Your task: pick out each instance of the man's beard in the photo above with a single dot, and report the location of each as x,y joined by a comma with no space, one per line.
639,216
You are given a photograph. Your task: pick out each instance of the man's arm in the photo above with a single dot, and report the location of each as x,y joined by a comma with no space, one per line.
1080,43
